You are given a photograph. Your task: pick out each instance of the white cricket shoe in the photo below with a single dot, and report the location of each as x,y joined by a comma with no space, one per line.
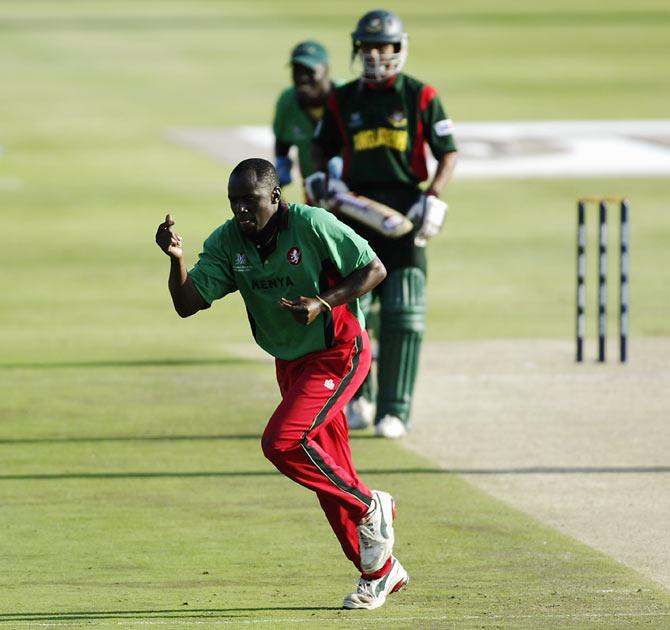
372,593
375,532
390,427
360,413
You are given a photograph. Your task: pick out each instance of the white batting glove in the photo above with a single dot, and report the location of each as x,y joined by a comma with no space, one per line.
336,186
335,183
315,187
335,167
321,189
430,212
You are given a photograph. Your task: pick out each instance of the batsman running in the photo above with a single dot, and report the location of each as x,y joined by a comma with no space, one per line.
300,272
382,123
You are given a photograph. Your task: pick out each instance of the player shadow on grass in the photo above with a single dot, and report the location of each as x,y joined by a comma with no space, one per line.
147,438
132,363
193,474
532,470
131,438
169,613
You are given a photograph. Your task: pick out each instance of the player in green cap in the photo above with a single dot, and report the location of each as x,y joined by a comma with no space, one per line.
382,124
300,107
300,273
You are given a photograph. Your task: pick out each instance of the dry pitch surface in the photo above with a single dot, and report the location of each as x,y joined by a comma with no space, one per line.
582,448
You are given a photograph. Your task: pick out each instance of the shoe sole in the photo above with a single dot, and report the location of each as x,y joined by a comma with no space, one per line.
401,583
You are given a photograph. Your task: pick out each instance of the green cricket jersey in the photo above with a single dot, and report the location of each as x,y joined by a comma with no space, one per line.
292,125
382,132
314,251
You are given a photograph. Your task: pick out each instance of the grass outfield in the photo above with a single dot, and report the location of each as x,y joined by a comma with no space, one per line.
132,484
137,498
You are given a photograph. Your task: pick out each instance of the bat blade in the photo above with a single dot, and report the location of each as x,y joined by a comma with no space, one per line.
375,215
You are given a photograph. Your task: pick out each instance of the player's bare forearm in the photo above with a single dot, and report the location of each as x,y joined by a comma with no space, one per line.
356,284
185,297
445,171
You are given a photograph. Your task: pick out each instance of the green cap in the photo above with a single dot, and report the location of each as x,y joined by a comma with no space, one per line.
310,53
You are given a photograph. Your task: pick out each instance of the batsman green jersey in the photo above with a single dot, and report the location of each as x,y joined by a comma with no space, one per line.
313,252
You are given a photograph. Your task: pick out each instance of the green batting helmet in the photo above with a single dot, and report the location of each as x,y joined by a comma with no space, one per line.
380,27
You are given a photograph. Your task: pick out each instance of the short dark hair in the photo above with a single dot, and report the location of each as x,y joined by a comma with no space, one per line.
264,171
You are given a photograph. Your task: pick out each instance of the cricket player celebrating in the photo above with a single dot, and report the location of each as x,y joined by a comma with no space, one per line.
382,123
300,107
300,272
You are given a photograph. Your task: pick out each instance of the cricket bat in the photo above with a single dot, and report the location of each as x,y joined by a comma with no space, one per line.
375,215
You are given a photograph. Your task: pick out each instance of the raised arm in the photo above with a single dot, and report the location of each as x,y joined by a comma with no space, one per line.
186,299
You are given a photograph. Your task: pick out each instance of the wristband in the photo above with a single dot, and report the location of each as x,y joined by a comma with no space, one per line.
329,308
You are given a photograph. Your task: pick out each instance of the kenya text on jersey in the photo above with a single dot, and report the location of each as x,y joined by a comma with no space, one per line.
272,283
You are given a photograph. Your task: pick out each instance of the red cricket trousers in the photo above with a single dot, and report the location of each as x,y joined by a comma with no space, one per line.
307,437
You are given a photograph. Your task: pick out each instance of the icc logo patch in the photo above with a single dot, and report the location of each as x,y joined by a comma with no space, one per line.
329,383
241,262
294,256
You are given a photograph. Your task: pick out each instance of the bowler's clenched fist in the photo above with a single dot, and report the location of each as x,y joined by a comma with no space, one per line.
168,240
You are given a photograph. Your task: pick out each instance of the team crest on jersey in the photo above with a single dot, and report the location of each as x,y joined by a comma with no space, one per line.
294,256
355,120
241,262
398,119
329,383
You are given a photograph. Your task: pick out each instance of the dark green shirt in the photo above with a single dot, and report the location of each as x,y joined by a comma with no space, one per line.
314,251
382,132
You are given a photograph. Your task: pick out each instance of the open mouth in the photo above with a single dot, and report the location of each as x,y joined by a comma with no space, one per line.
245,221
